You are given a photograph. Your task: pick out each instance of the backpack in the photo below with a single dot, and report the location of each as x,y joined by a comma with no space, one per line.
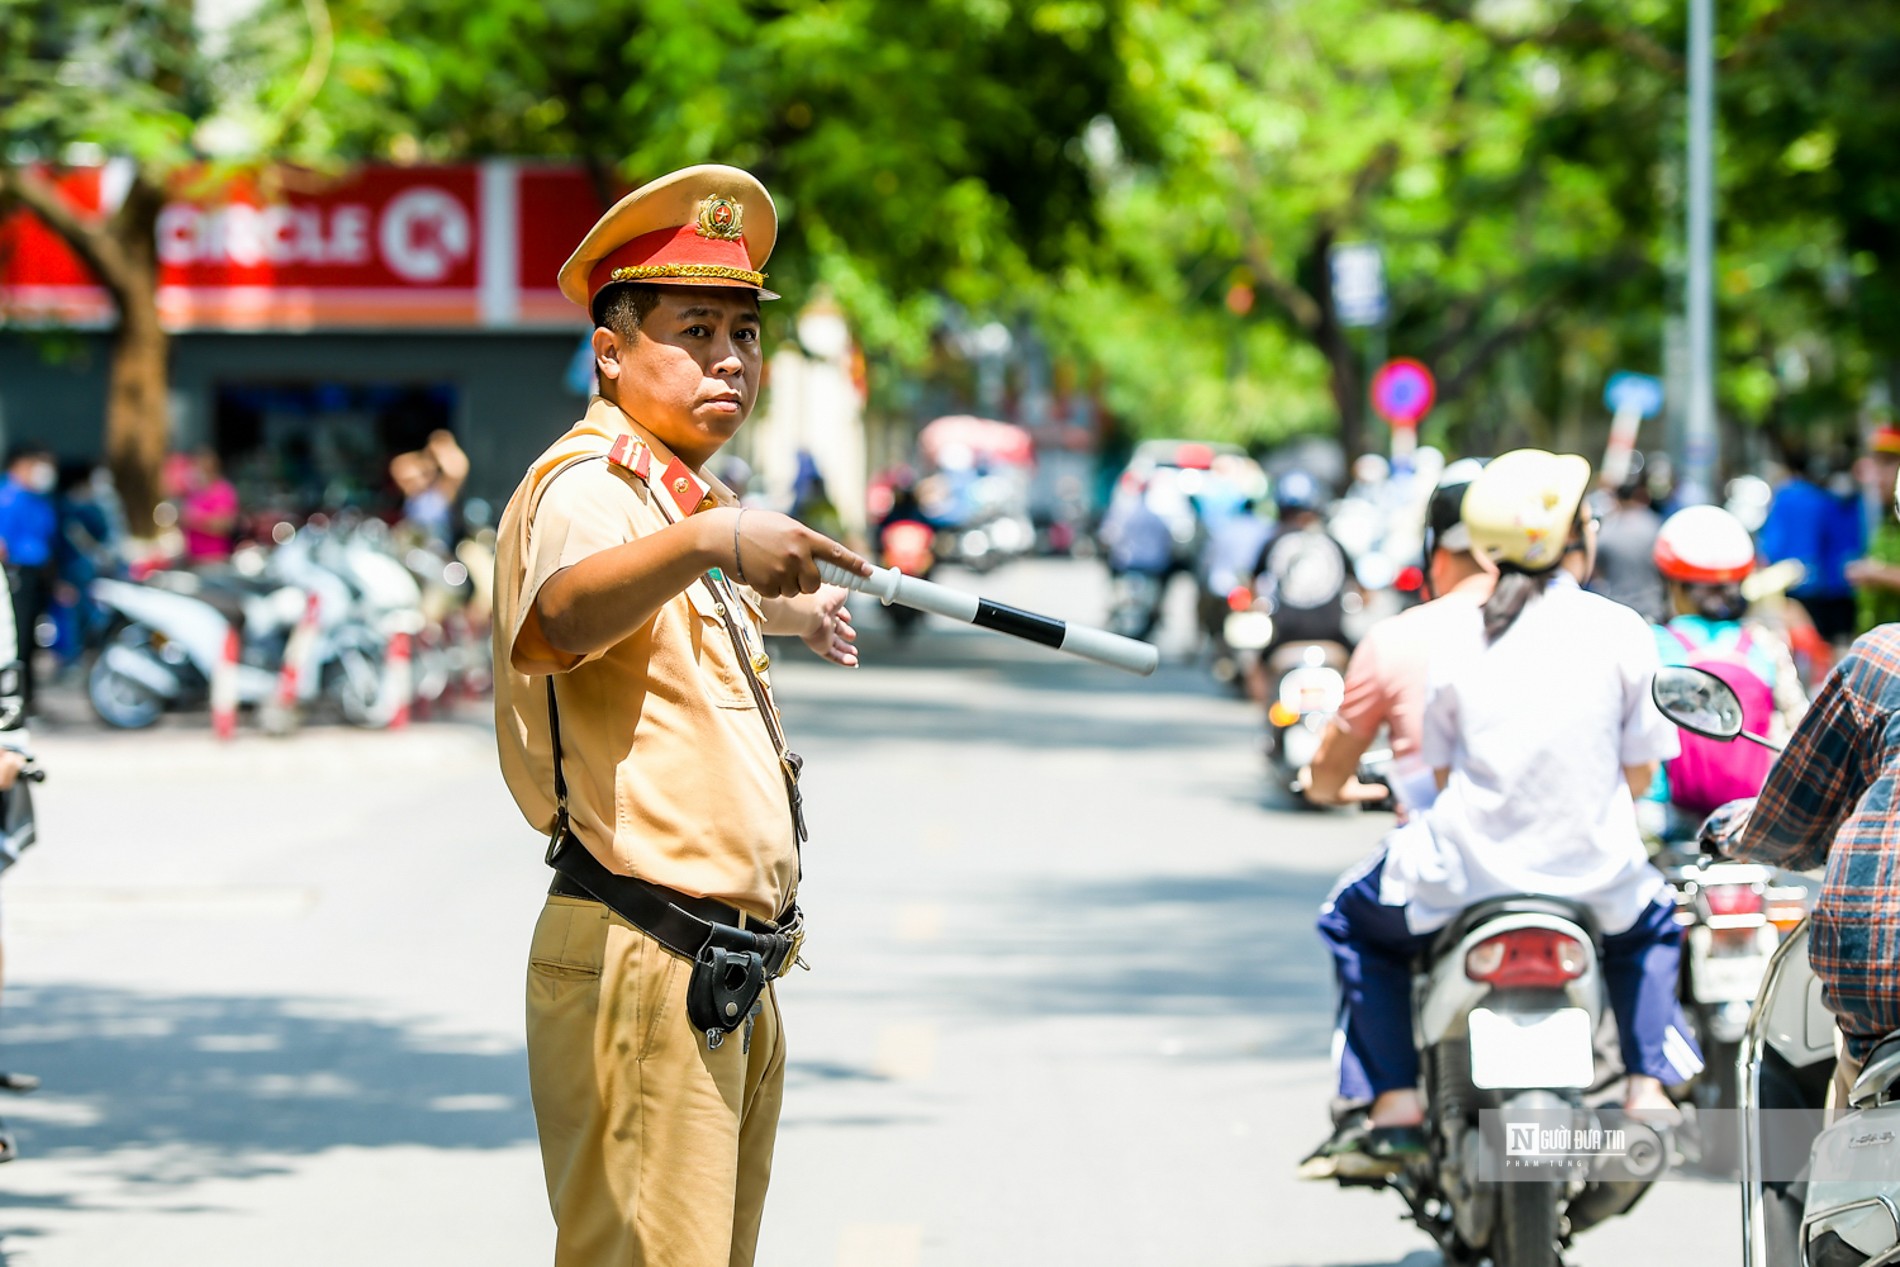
1711,772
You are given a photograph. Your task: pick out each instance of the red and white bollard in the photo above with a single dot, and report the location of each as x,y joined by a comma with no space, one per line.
282,712
398,681
224,689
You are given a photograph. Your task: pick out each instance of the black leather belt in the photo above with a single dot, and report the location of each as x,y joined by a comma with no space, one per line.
683,924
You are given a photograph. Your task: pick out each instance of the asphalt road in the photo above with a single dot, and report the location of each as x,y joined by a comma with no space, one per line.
1067,1005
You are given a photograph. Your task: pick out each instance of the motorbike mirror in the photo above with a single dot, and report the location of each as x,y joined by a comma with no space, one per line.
1698,701
1857,1233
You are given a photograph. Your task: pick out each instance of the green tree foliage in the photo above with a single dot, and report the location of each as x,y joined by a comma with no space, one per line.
919,151
1520,162
1154,183
189,98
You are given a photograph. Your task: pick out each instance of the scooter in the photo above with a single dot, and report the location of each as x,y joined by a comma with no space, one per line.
1305,685
1733,917
1814,1193
162,646
1520,1156
910,546
1134,604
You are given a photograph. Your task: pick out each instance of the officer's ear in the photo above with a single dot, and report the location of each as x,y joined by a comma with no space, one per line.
607,355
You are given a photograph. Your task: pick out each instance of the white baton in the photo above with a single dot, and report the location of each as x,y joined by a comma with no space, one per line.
889,585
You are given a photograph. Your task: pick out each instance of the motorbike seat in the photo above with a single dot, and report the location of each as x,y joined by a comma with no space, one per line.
1879,1075
215,592
1513,904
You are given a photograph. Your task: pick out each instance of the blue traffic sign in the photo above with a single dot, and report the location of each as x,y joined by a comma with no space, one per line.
1639,392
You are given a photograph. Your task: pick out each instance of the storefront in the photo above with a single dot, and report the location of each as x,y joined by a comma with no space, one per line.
322,326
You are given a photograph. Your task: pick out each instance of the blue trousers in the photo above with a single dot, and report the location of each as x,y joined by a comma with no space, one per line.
1373,952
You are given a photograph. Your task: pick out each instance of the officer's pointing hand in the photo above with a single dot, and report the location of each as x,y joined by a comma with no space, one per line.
778,556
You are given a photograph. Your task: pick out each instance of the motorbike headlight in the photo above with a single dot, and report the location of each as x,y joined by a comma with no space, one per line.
1851,1234
1247,631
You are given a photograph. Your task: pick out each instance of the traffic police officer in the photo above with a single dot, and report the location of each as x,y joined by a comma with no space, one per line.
636,727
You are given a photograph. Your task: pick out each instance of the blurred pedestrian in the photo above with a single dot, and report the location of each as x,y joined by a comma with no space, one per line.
83,552
207,511
430,479
29,528
1626,552
1876,577
1823,531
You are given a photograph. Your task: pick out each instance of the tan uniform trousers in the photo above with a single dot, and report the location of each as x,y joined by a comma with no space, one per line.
657,1150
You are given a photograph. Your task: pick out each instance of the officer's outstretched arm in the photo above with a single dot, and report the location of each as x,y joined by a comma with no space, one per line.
606,597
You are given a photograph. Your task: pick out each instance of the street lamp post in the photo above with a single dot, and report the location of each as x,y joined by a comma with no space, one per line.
1701,442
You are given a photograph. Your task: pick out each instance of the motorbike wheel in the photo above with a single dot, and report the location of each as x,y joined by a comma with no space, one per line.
1718,1101
354,681
117,700
1526,1234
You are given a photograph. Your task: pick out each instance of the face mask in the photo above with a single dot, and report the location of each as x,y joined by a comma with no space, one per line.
42,479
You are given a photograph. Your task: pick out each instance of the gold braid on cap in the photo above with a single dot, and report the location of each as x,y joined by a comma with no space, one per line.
652,272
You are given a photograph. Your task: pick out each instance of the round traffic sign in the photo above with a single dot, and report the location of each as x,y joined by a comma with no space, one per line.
1402,392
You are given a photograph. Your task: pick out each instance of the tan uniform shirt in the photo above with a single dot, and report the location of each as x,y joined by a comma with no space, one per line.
671,773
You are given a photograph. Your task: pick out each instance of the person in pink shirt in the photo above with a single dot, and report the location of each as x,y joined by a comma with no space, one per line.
1385,679
207,511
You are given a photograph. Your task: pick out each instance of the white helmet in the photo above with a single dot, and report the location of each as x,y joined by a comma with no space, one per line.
1520,509
1704,545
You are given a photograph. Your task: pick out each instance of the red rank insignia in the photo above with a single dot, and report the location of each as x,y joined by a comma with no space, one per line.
681,486
629,454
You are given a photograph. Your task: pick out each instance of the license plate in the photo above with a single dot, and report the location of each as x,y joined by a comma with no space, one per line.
1532,1049
1299,744
1724,978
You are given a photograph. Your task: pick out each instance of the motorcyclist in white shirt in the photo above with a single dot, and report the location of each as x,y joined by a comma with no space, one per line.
1541,733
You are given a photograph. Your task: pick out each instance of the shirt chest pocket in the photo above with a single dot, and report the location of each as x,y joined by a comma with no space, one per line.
719,665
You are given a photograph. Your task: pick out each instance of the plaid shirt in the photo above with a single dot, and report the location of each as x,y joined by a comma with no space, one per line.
1831,799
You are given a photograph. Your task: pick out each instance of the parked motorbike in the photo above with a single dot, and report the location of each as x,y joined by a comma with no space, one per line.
165,640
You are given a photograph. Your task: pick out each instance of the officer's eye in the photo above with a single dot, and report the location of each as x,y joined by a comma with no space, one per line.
746,334
697,332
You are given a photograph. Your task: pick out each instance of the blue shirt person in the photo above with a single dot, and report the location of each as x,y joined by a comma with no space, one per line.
29,522
29,525
1825,532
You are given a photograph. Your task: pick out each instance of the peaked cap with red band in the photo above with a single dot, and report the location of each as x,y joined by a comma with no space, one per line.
700,226
1885,439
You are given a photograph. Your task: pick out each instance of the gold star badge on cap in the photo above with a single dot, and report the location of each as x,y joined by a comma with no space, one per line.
701,226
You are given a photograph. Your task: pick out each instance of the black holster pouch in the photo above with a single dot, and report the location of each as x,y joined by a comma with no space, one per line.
725,983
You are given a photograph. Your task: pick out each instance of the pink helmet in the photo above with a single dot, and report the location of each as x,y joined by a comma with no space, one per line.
1704,545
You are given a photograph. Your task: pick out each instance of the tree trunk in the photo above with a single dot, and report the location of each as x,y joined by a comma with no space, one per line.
137,428
138,423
